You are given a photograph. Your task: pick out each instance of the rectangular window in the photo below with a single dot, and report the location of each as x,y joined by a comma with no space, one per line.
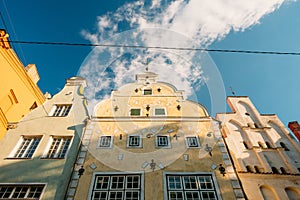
105,141
26,147
21,191
58,147
160,112
192,141
117,186
61,110
186,186
147,91
162,141
134,141
135,112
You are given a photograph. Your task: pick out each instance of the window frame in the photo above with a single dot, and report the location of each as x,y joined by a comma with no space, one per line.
135,109
20,144
125,188
147,89
59,150
188,144
110,142
160,146
27,193
135,146
165,111
183,190
61,113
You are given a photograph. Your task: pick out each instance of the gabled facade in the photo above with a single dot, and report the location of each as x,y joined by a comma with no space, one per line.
148,142
265,155
37,156
19,92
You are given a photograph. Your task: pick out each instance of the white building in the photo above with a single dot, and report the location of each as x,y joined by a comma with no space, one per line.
38,153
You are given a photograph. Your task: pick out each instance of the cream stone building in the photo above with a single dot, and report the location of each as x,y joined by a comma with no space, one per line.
38,154
148,142
265,156
19,92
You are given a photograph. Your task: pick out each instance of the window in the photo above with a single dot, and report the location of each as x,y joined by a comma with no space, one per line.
135,112
105,142
26,147
284,146
58,147
117,186
160,111
188,186
61,110
134,141
21,191
162,141
147,91
192,141
275,170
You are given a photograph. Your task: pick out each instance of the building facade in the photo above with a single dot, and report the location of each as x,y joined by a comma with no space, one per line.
148,142
266,157
295,128
38,154
19,92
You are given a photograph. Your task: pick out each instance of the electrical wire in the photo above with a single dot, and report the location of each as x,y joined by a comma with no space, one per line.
158,47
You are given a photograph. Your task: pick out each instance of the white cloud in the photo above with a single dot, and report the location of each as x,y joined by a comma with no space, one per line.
178,23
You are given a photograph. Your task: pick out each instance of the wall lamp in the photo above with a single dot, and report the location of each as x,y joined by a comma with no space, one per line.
178,107
80,171
222,170
116,108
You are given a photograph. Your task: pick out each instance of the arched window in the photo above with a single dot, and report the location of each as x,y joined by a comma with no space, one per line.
275,170
257,169
267,192
260,144
283,171
268,145
284,146
245,144
292,193
249,169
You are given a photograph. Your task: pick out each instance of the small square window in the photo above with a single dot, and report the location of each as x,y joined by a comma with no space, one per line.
105,141
147,91
135,112
162,141
134,141
160,111
192,141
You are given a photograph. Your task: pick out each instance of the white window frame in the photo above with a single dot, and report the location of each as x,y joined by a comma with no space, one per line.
188,143
61,113
135,115
137,146
57,153
14,187
99,145
108,190
20,146
147,89
183,190
165,111
161,146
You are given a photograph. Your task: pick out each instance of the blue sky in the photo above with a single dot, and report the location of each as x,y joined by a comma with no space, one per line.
271,81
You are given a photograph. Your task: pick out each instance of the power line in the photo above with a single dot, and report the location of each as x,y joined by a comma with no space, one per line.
158,47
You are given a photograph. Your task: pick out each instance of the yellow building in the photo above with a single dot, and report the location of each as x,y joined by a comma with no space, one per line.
265,155
148,142
19,91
